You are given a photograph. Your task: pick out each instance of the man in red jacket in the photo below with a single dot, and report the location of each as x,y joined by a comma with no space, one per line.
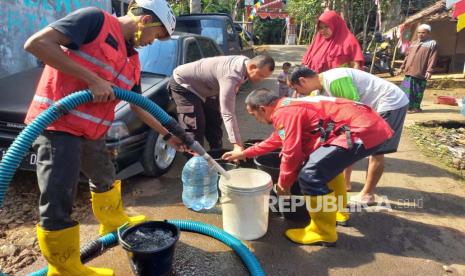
320,137
88,49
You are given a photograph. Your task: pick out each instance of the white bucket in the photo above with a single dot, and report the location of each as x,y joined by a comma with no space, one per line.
245,199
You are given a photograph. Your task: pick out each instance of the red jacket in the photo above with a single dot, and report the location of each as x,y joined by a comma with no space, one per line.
296,124
89,120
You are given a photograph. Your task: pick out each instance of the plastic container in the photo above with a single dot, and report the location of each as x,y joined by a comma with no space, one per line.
293,207
447,100
462,108
251,142
245,199
200,184
150,247
217,153
269,163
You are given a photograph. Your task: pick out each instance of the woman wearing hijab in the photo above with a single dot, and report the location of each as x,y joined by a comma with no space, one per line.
333,46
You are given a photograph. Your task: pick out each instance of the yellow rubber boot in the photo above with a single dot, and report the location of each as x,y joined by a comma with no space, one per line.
61,250
108,209
337,184
322,227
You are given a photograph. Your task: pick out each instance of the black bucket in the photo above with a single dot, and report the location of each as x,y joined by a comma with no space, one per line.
270,163
150,247
251,142
217,153
299,211
249,163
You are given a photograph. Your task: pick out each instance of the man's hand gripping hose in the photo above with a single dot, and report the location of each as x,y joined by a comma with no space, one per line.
179,132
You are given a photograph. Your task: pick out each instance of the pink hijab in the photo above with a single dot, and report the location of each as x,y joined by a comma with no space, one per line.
342,47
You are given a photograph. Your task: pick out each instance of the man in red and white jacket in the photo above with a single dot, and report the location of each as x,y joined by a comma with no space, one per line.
320,137
87,49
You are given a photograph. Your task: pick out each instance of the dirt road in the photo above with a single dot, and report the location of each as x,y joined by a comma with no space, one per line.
422,232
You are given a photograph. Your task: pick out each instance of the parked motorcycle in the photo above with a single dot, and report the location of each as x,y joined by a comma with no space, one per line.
382,60
382,63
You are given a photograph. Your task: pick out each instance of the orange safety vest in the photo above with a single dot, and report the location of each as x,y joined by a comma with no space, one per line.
90,120
342,121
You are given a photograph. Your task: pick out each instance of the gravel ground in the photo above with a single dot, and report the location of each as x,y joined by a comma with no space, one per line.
18,217
444,141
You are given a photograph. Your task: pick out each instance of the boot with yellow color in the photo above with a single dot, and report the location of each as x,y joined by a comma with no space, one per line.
108,209
61,250
337,184
322,227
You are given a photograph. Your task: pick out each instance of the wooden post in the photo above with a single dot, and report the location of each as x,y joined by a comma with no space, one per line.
393,62
300,32
373,59
195,6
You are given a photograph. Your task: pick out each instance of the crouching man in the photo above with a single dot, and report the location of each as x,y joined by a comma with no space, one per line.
320,137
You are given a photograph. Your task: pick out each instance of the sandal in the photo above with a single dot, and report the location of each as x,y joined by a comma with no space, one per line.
364,200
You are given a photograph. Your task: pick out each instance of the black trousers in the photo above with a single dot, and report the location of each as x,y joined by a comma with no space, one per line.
60,159
201,120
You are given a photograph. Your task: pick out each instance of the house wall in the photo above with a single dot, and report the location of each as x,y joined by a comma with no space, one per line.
19,19
461,42
450,43
444,34
459,60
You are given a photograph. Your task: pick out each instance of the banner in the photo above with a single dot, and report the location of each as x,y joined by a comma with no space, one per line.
450,3
459,13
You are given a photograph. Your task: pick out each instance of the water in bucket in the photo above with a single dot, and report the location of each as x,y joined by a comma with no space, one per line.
150,246
199,181
145,238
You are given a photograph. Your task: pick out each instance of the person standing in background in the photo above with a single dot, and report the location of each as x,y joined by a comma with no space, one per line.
283,89
333,46
418,65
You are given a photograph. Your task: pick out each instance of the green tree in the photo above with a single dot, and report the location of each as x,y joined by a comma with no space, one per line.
270,31
217,6
306,13
207,6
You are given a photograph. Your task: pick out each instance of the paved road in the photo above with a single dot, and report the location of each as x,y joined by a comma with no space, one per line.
422,232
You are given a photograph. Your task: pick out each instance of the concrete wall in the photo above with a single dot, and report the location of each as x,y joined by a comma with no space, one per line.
444,34
19,19
461,42
459,58
450,43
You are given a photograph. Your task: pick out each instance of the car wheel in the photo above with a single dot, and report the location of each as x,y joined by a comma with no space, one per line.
158,155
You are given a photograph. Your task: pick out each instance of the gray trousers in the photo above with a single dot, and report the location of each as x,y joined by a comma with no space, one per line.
60,159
